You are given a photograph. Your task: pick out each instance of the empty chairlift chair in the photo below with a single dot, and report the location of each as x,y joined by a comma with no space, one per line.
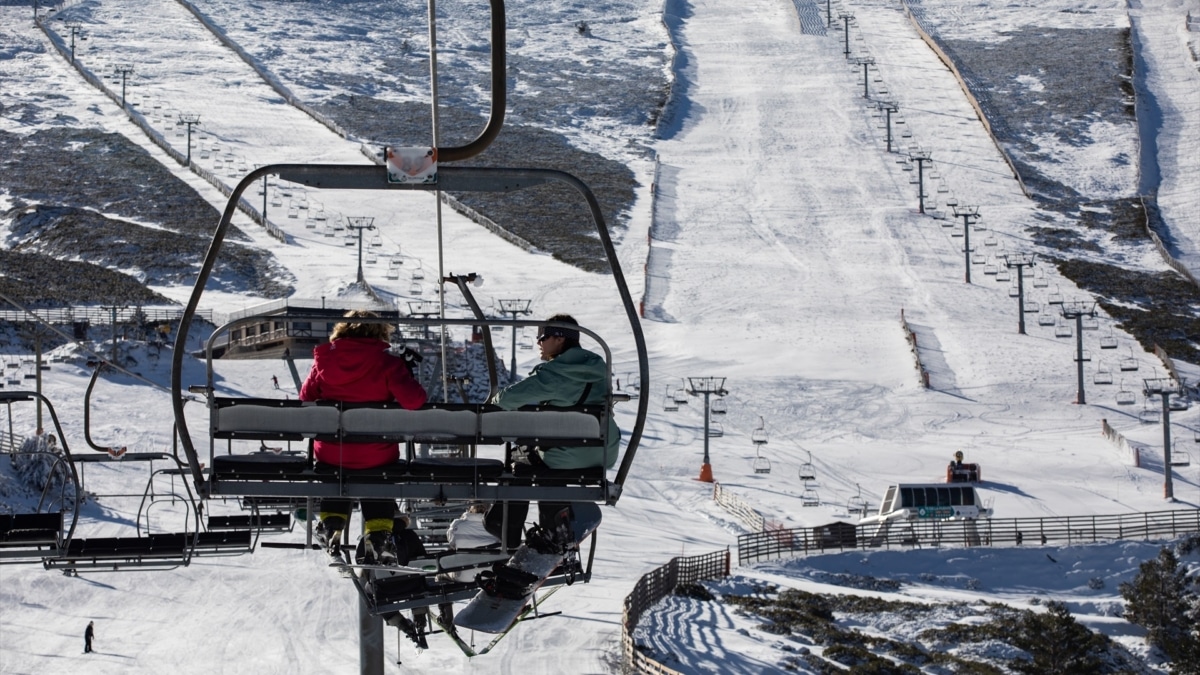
1125,395
669,404
807,471
761,464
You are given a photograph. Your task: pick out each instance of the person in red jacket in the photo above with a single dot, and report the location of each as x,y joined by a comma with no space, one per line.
356,367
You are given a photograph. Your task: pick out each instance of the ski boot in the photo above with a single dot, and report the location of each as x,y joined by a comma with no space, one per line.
376,548
328,534
507,582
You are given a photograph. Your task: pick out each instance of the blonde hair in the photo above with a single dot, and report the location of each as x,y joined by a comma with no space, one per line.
379,331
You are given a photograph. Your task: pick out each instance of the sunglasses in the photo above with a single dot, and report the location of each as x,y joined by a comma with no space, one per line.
543,338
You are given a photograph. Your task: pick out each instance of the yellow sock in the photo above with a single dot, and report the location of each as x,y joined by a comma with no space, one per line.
330,514
378,525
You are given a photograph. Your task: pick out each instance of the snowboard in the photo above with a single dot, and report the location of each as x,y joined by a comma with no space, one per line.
448,562
489,613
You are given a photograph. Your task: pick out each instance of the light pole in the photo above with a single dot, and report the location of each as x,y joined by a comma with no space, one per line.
190,119
1020,262
516,308
920,157
1077,309
1164,387
360,223
828,15
866,62
846,17
706,386
889,108
967,213
125,70
75,29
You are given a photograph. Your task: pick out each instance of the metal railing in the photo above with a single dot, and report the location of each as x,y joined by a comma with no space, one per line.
1069,530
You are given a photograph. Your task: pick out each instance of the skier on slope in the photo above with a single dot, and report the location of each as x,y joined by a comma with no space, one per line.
569,376
89,634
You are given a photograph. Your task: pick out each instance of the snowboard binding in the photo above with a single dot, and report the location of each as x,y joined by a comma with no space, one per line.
507,582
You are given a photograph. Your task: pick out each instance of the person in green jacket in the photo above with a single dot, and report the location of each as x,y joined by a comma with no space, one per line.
569,375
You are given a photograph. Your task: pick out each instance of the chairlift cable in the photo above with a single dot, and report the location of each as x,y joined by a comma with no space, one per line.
437,195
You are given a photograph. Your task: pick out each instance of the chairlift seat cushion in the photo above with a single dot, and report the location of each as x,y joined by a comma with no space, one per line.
231,539
388,473
592,475
540,427
273,419
395,423
455,469
30,528
261,466
152,545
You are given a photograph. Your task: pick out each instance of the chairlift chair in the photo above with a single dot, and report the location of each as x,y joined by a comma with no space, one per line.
1108,341
759,435
1045,318
991,269
680,396
1014,291
1032,307
1055,298
718,406
715,430
371,258
1179,403
415,288
1149,414
810,498
1126,396
669,404
1089,323
1063,330
393,274
1180,458
1039,279
807,471
1130,363
857,504
1103,374
761,464
1003,275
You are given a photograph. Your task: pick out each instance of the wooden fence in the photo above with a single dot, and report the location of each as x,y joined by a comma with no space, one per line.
655,586
1067,530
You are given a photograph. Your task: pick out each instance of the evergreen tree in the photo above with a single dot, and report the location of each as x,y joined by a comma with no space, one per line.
1057,643
1155,599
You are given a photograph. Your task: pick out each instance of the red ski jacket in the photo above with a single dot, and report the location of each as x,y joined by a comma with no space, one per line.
359,370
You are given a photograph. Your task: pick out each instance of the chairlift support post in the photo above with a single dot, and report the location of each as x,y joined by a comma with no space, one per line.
515,308
888,108
968,214
920,157
707,386
1019,263
1165,388
1077,309
866,62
